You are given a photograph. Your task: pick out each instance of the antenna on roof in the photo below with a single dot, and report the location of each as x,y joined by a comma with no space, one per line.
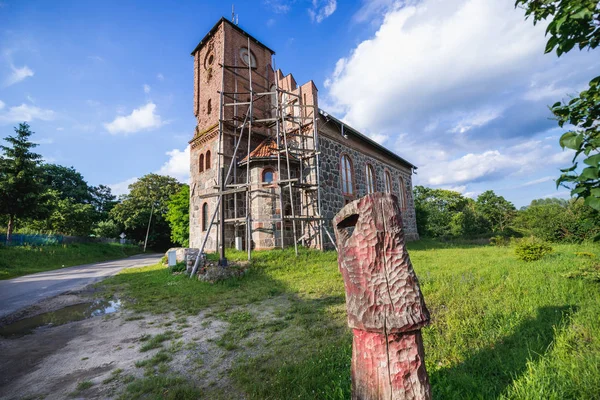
234,18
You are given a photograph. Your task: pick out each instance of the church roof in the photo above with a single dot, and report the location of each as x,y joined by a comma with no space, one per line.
348,129
265,149
234,26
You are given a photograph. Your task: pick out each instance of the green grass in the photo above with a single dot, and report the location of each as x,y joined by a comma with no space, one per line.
22,260
501,328
154,342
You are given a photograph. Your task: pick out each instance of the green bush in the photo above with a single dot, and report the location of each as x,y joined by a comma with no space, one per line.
179,267
532,249
499,241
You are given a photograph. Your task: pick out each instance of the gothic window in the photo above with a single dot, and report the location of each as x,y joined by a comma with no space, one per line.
201,163
370,179
388,182
207,160
267,175
248,57
347,175
402,195
209,107
204,217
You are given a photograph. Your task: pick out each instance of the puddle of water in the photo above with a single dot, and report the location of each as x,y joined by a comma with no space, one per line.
72,313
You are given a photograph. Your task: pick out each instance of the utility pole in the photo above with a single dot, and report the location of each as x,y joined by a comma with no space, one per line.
148,230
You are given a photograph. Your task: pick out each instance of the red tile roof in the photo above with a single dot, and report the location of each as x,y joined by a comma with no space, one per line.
266,149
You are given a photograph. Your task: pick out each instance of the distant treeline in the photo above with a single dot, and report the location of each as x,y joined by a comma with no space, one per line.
38,197
448,214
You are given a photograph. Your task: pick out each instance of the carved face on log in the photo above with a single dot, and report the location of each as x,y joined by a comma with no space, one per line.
382,290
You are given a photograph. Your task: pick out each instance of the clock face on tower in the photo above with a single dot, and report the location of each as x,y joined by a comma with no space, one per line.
247,57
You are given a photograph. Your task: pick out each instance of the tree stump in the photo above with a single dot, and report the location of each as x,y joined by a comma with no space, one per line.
386,309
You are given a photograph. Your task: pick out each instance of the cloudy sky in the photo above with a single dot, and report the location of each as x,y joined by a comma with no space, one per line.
458,87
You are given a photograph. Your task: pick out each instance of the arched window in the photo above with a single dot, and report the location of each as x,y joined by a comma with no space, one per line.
209,106
204,217
388,181
402,194
347,176
370,179
267,175
201,163
207,160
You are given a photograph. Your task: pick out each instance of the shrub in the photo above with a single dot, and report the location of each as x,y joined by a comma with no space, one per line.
499,241
532,249
179,267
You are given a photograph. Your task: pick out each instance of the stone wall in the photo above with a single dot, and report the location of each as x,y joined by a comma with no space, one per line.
332,199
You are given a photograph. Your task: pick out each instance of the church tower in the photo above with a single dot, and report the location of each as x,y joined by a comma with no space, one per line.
222,61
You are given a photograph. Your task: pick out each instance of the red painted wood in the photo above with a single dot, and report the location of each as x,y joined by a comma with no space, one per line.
385,306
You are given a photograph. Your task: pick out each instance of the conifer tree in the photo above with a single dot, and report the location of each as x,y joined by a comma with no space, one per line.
21,186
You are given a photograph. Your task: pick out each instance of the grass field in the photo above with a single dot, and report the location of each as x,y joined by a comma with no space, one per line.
22,260
501,328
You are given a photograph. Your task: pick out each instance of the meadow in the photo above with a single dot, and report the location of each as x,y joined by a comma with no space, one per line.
22,260
501,328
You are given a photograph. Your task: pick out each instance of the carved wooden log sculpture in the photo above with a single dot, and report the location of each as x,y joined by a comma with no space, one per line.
386,310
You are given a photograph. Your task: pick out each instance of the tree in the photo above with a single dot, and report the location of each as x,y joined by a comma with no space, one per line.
469,222
103,200
178,216
107,229
559,220
21,186
67,182
148,195
496,209
435,209
575,23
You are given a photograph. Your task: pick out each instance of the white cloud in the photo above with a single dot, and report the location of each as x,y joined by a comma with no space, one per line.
160,77
2,104
475,119
25,113
279,6
378,137
147,88
427,57
321,9
60,128
538,181
178,165
121,187
371,9
545,92
18,74
458,87
143,118
470,167
96,58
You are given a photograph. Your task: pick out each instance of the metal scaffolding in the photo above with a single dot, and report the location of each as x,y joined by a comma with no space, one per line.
258,108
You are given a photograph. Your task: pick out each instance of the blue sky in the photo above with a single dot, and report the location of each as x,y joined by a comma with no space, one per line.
458,87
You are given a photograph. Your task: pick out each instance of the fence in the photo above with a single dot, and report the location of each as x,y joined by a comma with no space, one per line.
20,239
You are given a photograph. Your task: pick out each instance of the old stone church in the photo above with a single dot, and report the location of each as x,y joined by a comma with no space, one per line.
281,166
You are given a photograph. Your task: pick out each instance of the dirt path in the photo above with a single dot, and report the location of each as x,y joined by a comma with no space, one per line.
54,362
